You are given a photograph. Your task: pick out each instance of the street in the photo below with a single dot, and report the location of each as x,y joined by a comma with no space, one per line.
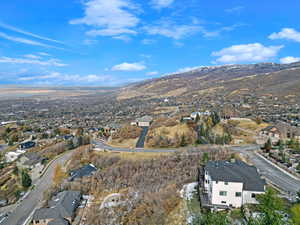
25,208
273,175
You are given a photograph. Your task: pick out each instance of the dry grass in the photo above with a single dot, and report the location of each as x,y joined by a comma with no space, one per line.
123,143
218,129
176,92
160,110
133,155
252,125
170,132
178,215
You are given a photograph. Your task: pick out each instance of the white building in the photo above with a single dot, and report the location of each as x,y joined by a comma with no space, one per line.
195,114
13,156
231,184
144,121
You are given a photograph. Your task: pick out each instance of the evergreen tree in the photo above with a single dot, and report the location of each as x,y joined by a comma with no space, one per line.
26,180
183,142
268,145
205,158
271,207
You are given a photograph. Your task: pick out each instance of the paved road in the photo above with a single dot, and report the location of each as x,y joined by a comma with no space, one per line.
272,173
103,146
26,208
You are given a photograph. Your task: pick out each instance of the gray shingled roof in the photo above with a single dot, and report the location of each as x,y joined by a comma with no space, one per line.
237,171
145,119
58,222
33,158
63,205
84,171
66,202
46,213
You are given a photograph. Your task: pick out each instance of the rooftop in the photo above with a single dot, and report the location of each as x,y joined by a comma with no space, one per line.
237,171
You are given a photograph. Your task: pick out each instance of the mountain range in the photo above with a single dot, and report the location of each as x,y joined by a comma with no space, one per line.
227,80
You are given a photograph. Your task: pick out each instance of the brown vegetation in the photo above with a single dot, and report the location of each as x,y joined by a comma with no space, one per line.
127,132
150,186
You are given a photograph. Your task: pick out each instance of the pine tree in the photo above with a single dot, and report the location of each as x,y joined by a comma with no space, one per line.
268,145
26,180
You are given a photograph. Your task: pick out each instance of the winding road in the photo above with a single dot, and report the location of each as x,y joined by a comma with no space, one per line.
24,210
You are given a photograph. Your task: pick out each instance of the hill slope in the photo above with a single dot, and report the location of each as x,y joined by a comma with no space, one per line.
228,80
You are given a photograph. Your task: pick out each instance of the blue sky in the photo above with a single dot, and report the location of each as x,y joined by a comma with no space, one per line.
112,42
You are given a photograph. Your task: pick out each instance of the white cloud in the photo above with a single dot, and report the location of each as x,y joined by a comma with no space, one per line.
50,62
44,54
255,52
73,78
31,56
158,4
25,41
218,32
286,33
109,17
236,9
123,38
289,59
128,67
153,73
173,31
15,29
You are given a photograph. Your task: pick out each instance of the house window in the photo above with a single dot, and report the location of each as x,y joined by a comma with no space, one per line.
238,194
223,193
253,195
226,183
223,202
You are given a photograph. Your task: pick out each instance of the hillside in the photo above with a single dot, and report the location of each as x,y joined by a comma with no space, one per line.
228,80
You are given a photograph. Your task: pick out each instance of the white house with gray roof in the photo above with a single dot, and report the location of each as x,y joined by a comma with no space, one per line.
231,184
144,121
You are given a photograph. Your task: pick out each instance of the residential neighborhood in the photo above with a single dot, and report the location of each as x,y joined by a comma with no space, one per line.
158,112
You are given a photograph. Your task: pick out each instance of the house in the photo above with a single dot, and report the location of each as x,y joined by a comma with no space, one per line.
144,121
111,128
32,161
27,145
199,114
13,156
230,184
84,171
61,209
272,133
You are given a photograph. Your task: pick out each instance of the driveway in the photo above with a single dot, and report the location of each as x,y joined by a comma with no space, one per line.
25,209
3,147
